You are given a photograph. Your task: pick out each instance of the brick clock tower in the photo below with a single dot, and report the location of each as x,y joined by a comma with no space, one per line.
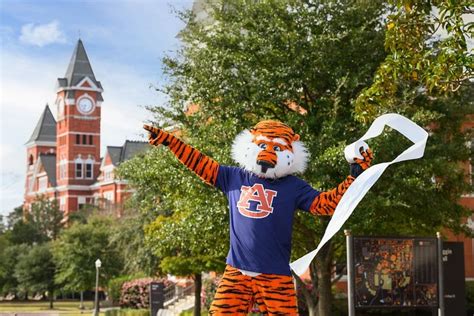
79,99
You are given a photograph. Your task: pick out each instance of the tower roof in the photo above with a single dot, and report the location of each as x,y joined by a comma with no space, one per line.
45,130
79,67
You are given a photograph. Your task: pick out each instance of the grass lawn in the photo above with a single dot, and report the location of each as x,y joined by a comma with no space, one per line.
62,307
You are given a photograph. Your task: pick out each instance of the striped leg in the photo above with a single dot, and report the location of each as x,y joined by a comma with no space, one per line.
234,294
275,294
206,168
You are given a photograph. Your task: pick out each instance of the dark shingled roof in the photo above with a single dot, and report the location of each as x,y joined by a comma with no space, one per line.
49,163
45,130
79,68
127,151
114,152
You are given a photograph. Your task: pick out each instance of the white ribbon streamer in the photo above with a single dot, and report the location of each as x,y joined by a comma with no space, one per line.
367,179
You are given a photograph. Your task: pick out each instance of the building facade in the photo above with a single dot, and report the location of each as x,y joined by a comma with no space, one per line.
63,154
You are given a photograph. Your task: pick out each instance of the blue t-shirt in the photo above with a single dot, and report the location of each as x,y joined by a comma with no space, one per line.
261,218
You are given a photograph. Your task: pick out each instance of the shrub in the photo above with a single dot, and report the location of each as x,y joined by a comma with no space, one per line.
136,293
114,287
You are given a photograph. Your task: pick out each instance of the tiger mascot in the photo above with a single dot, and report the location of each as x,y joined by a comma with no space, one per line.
263,194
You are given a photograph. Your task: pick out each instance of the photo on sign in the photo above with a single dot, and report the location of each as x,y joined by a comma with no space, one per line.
395,272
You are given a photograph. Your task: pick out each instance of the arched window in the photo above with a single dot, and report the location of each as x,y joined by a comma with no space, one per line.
31,160
89,169
78,168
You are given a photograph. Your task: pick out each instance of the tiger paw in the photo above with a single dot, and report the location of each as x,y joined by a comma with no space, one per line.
156,135
362,164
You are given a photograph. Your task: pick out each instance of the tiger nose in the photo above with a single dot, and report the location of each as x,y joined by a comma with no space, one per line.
265,163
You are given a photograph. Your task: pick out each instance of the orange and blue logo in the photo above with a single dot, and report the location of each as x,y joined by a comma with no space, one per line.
256,193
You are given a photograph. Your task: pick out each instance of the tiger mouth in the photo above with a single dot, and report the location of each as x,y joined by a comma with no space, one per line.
265,165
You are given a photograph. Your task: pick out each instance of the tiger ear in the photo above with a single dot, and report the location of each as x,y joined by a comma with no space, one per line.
296,137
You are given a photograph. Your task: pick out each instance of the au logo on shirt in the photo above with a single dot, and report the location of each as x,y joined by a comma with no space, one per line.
257,193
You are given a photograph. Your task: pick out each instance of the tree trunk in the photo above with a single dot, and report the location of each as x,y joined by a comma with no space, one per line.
324,264
81,305
51,299
311,302
197,294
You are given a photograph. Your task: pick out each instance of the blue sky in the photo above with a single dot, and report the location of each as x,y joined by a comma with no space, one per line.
125,42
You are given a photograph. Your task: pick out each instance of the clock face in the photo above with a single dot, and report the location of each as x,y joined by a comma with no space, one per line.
85,105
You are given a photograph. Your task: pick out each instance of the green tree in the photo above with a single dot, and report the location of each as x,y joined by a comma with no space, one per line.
14,216
41,224
128,235
76,250
427,44
305,63
9,255
46,216
2,225
35,271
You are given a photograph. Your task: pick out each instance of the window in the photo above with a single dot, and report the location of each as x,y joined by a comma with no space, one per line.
108,175
90,139
78,170
89,170
63,169
78,139
42,183
109,196
84,139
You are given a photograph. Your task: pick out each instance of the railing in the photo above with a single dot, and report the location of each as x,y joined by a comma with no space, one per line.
173,293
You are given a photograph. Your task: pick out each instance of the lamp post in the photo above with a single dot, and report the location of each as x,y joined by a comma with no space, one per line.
98,263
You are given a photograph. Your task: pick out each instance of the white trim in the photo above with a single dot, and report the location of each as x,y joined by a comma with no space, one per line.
97,185
131,191
468,195
79,88
80,133
73,187
107,168
89,81
40,143
86,118
35,193
70,102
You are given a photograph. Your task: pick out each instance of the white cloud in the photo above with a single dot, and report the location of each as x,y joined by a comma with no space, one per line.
42,34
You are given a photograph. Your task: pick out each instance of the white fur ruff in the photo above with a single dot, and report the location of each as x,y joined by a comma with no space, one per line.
245,152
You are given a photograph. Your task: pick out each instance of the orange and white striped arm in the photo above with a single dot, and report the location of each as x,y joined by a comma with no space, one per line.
205,167
325,204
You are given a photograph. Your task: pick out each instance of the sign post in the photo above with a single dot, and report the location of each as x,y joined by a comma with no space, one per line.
157,297
350,273
440,275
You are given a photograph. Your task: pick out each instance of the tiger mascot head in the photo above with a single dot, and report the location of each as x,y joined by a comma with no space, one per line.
271,150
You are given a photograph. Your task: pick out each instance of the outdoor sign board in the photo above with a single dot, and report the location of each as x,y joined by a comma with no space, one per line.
157,297
454,282
395,272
